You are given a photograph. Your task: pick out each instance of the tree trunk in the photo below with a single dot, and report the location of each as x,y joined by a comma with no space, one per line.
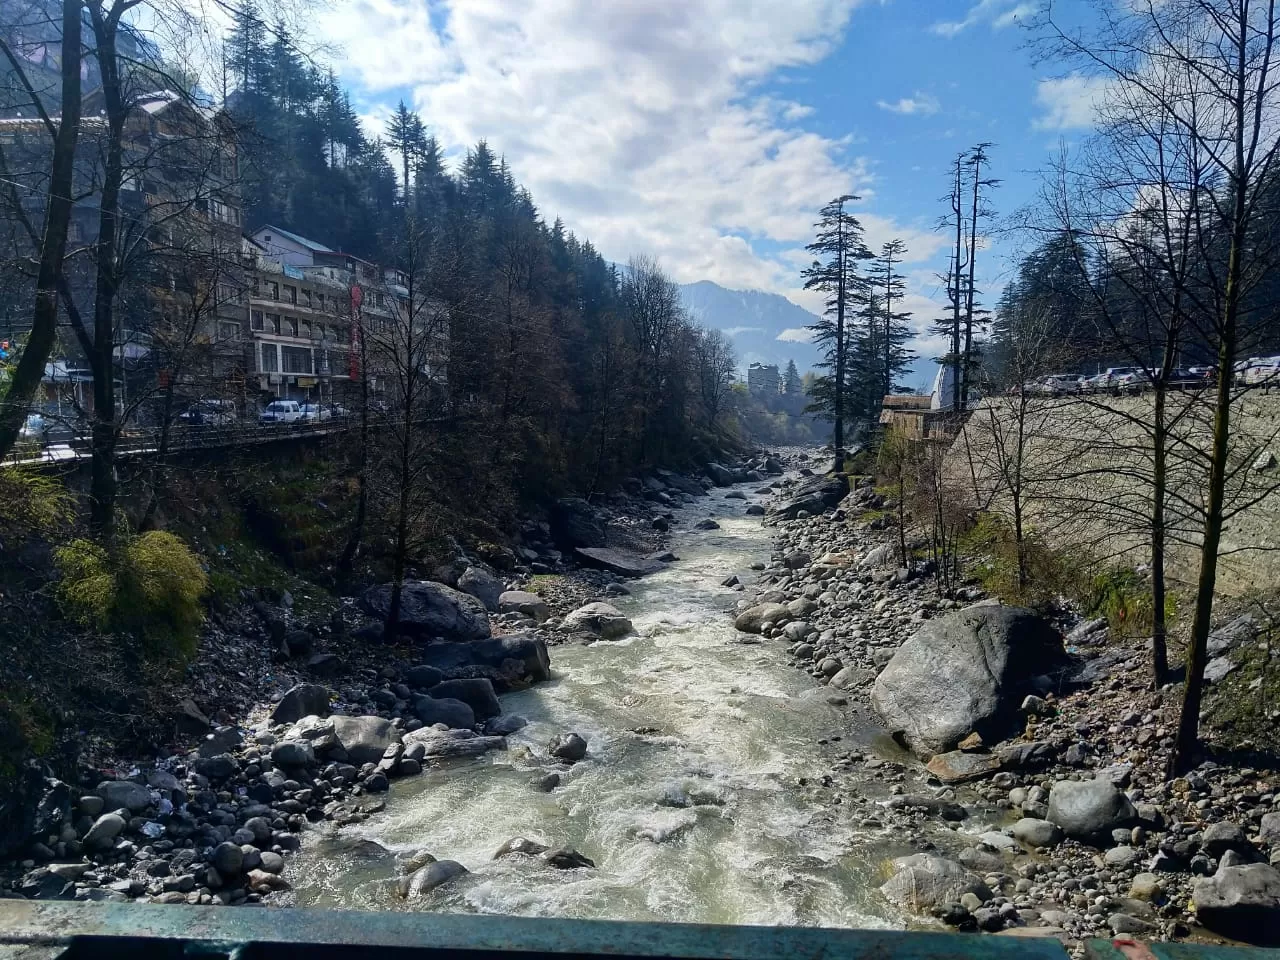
44,317
1159,627
346,562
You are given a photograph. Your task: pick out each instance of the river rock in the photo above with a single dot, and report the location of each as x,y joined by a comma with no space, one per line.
601,619
1037,833
568,747
567,858
433,875
459,659
429,609
520,845
622,562
104,830
422,676
124,793
521,601
956,766
502,726
482,585
1089,809
443,744
302,700
365,739
964,672
1223,836
227,859
814,497
476,692
575,523
293,753
923,881
452,713
753,618
1241,902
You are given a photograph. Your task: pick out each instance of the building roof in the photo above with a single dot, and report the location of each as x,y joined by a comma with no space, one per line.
290,235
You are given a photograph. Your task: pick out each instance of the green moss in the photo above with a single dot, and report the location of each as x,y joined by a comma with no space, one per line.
1242,711
1123,596
26,730
544,581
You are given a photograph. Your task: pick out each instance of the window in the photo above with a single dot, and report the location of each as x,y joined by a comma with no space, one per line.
255,319
291,293
273,322
255,286
378,300
224,212
304,328
318,332
269,362
273,289
291,326
295,359
320,300
228,330
306,298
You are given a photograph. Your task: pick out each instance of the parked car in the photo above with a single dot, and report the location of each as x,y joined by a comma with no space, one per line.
34,427
314,412
281,411
1262,371
209,413
1110,379
1060,384
1133,381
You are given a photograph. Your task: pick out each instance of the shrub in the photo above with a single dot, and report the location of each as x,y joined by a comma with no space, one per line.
151,589
32,505
1123,596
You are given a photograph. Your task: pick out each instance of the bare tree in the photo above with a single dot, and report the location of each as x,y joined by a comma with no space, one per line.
716,364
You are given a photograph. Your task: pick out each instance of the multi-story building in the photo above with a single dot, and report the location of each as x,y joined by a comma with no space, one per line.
763,379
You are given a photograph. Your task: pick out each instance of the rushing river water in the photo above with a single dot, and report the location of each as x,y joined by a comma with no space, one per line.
718,817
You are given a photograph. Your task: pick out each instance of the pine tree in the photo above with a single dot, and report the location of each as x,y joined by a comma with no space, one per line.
894,333
408,138
246,54
791,380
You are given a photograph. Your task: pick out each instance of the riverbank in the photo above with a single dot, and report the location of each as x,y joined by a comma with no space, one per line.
988,852
288,719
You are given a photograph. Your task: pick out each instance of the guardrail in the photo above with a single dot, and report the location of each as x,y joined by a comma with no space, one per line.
107,931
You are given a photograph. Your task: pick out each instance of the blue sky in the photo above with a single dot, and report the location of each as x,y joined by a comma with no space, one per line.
709,132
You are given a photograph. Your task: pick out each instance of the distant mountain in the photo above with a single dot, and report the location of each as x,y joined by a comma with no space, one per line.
754,320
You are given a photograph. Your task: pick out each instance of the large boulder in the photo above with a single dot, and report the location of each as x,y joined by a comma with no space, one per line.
1241,902
600,619
575,523
753,618
441,744
423,676
126,794
526,651
476,692
302,700
622,562
452,713
365,739
923,881
482,585
521,601
429,609
722,476
815,496
433,875
964,672
1089,809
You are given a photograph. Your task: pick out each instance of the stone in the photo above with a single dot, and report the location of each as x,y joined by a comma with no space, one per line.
1121,856
622,562
299,643
460,659
260,881
365,739
1241,902
1124,924
482,585
293,753
520,845
753,618
505,725
523,602
190,719
567,858
575,523
271,862
960,767
851,678
707,524
600,619
1146,886
216,768
227,859
452,713
1217,668
302,700
963,672
441,744
422,677
476,692
117,794
1223,836
91,806
1037,833
546,782
1088,809
924,881
260,827
429,609
1269,829
433,875
568,747
104,831
813,497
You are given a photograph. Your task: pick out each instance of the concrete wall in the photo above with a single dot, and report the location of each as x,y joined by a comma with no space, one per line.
1086,478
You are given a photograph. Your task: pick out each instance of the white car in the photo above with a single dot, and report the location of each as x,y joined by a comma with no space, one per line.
1112,378
1058,384
281,411
1261,371
314,412
34,427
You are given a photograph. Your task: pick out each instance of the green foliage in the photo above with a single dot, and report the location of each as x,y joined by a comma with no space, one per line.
1123,596
26,730
151,588
33,505
992,550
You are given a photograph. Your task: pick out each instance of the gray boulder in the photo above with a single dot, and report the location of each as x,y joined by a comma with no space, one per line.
1037,833
964,672
520,845
124,793
365,739
440,744
1089,809
753,618
227,859
450,712
302,700
429,877
1269,829
293,753
575,523
622,562
526,651
422,676
923,881
521,601
482,585
568,747
1241,902
601,619
815,496
476,692
104,830
429,609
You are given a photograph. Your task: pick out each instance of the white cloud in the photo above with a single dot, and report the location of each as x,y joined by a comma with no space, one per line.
922,103
1069,103
795,335
738,331
998,13
640,124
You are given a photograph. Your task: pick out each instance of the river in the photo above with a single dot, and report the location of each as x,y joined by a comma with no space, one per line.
720,816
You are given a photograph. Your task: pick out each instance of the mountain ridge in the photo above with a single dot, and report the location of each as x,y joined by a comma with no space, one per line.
754,320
